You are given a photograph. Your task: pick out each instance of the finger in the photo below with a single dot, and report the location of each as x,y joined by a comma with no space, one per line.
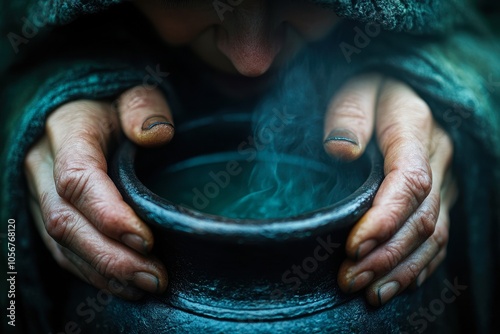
416,267
350,116
72,263
145,116
354,276
449,194
384,289
53,247
79,143
433,265
104,258
404,129
36,160
122,289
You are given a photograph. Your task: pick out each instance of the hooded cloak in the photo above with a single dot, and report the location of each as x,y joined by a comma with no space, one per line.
53,52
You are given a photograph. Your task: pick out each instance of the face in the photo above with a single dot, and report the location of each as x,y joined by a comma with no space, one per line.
248,37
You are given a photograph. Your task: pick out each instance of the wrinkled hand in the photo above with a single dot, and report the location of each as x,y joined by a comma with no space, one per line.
79,213
402,238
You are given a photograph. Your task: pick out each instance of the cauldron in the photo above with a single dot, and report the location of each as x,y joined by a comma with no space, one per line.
236,275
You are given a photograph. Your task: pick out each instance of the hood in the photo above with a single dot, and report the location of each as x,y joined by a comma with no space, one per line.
21,21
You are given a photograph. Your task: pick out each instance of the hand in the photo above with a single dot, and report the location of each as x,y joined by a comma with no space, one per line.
402,238
78,211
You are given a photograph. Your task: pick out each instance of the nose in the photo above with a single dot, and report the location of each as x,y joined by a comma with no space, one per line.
251,39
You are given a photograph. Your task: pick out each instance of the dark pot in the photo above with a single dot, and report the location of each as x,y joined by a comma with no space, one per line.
247,276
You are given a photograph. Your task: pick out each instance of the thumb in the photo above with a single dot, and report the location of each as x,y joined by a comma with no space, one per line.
145,116
350,117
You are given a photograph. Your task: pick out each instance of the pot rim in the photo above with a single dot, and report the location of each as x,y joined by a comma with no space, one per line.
163,214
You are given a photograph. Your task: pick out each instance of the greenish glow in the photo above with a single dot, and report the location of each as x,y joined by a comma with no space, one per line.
268,187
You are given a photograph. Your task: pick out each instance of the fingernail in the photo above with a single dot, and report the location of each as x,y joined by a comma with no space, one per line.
146,282
365,248
360,281
153,121
343,135
387,291
421,277
136,242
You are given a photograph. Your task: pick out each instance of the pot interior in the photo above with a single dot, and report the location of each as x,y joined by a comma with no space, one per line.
218,168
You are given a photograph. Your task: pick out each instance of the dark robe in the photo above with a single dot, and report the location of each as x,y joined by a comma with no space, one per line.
54,52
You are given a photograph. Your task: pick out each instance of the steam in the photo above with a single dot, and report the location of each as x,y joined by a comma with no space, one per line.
281,170
291,174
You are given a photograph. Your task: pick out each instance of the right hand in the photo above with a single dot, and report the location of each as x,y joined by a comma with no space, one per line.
79,213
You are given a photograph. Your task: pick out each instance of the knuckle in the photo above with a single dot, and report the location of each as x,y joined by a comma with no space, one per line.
390,224
72,179
105,264
418,181
413,269
393,256
426,225
349,107
136,98
105,217
425,222
441,236
75,164
58,225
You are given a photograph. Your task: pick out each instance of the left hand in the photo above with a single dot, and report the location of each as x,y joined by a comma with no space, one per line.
78,211
402,238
